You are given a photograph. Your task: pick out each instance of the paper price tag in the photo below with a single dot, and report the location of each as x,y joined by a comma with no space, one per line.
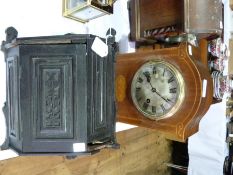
190,50
221,25
79,147
204,86
99,47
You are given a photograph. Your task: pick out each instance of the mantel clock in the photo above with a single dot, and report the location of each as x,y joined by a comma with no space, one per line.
167,89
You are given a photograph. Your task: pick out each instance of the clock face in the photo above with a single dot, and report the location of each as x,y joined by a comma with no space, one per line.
157,89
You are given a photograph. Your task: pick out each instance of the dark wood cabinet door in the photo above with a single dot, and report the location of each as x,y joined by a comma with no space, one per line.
52,108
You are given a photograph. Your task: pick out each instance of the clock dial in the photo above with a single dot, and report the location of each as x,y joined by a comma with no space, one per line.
157,89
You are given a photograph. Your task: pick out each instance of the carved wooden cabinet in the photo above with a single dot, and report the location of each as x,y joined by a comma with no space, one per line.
59,95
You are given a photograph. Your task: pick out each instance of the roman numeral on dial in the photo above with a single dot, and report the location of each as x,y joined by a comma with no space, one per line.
138,89
153,109
173,90
164,70
138,98
145,105
146,73
154,70
140,80
162,107
171,79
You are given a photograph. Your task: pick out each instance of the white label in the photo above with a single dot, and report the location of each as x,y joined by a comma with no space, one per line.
221,25
79,147
204,85
99,47
190,50
231,83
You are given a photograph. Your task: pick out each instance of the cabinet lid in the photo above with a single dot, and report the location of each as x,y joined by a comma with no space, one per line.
56,39
12,40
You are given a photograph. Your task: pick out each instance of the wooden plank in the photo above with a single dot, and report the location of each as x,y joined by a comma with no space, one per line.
61,169
231,4
28,165
230,60
142,151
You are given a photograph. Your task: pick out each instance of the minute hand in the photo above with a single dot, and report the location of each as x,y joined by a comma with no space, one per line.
154,90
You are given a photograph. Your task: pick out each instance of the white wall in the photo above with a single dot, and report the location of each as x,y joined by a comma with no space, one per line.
119,21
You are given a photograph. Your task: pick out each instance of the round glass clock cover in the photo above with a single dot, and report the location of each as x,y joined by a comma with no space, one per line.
157,89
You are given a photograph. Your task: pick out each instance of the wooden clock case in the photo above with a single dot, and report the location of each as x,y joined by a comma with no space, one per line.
186,16
198,90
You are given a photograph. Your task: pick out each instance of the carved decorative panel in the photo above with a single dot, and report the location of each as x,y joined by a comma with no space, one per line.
12,98
52,92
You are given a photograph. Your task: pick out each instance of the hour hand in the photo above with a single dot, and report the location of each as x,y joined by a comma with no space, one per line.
147,75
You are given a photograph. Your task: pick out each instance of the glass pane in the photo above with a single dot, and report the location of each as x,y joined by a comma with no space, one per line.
88,13
76,3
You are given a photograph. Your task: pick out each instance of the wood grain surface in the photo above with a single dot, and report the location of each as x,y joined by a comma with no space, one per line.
142,152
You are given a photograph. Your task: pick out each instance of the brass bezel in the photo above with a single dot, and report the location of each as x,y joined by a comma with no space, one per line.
180,81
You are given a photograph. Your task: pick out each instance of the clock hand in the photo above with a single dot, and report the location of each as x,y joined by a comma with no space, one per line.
151,86
148,78
154,90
